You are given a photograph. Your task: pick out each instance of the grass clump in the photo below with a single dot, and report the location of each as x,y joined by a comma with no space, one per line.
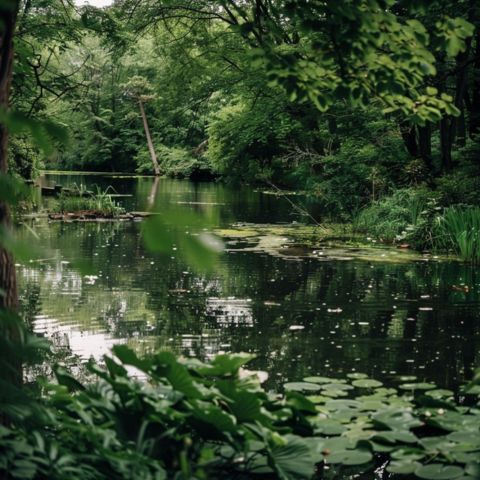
391,218
459,230
99,203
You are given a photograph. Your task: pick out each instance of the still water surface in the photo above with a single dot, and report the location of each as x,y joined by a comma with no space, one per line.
299,316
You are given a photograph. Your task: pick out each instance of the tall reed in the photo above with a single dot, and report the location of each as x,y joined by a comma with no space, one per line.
459,229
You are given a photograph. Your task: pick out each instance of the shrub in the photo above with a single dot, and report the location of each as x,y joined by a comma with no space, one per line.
396,216
161,417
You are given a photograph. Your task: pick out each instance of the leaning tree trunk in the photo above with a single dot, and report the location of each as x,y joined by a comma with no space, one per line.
151,148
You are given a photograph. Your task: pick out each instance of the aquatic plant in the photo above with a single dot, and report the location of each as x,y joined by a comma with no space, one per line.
459,229
100,202
162,417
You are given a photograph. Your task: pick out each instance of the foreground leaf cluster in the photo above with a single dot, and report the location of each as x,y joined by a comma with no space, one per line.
163,417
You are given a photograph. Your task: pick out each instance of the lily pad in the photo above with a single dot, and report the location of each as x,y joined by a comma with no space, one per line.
438,471
367,383
417,386
350,457
301,387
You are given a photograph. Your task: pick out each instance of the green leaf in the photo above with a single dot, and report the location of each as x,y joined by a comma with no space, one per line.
126,355
367,383
293,460
301,387
417,386
350,457
226,364
438,471
402,467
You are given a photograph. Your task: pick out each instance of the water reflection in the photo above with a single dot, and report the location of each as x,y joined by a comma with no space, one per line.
298,317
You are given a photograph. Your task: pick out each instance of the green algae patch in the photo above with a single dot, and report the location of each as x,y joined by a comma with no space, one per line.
236,233
332,242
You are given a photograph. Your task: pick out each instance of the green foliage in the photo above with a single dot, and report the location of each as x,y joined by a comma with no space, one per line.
24,158
459,229
100,203
181,418
244,139
174,162
394,217
359,51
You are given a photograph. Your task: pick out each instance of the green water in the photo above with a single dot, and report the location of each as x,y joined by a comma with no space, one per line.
300,316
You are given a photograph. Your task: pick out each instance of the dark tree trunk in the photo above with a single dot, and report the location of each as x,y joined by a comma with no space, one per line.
474,124
460,91
8,296
446,143
8,285
425,145
461,129
410,139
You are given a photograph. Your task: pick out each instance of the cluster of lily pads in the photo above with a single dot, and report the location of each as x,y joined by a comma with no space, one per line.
164,417
413,431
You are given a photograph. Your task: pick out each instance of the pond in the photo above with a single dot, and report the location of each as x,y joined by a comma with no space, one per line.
96,284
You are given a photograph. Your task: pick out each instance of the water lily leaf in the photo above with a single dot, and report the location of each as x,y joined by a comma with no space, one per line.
367,383
350,457
334,393
357,376
329,427
301,387
438,471
404,467
323,380
337,386
417,386
439,393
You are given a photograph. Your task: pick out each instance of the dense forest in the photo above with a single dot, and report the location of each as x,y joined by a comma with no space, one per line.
295,116
295,179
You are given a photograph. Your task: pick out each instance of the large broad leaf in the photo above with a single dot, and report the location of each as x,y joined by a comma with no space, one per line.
177,374
214,417
293,460
245,406
226,364
126,355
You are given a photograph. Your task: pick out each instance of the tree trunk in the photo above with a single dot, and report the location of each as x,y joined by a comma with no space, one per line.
446,144
474,125
425,145
8,14
410,139
11,371
151,149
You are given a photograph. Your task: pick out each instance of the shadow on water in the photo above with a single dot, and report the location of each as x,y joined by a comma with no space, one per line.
300,317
